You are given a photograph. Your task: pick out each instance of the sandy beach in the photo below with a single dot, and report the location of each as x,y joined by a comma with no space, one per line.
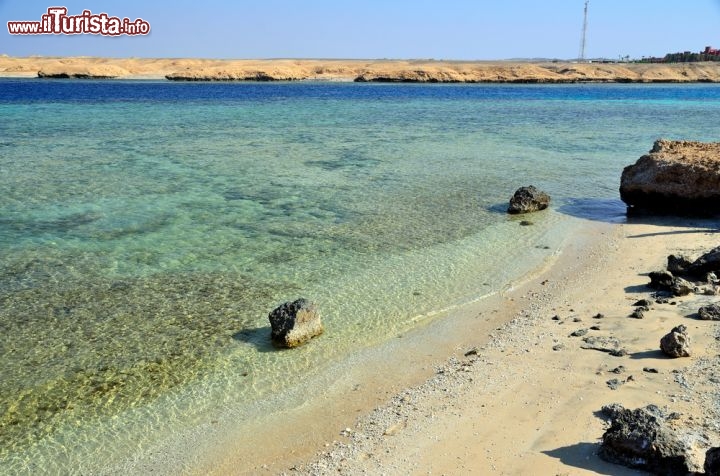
525,397
357,70
501,386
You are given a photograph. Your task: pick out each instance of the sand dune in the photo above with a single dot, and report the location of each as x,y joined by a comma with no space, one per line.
357,70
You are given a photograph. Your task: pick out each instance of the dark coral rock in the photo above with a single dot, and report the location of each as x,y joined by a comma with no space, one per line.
528,199
676,343
642,439
295,323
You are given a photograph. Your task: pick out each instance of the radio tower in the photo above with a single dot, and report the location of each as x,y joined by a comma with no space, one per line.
584,32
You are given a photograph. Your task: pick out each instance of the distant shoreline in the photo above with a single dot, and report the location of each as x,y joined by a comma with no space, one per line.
388,71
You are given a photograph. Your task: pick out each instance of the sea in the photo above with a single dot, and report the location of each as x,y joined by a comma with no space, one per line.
147,228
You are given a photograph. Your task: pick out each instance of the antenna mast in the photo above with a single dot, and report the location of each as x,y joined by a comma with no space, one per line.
584,32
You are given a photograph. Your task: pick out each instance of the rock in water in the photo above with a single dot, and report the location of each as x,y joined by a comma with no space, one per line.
712,462
676,343
295,323
675,177
528,199
642,439
710,312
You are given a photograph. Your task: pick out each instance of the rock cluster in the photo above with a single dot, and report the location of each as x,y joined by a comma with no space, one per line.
665,281
643,439
675,177
528,199
295,323
675,280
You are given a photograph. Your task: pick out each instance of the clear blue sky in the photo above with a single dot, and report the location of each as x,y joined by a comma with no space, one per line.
449,29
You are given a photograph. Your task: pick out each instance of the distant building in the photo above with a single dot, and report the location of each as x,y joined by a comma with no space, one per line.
708,54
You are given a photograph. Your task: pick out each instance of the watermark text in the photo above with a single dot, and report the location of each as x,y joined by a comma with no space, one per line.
57,22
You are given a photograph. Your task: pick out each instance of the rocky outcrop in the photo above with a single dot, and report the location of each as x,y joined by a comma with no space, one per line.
678,264
701,275
661,279
676,177
98,71
295,323
707,263
665,281
710,312
223,74
528,199
463,73
676,343
643,439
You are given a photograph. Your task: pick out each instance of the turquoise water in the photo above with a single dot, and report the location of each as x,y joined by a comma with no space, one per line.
147,229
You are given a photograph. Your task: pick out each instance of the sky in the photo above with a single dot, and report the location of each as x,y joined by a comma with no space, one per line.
372,29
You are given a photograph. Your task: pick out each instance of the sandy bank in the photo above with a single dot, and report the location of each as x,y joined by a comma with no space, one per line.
357,70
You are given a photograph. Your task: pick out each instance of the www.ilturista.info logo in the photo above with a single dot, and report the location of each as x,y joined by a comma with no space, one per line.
57,22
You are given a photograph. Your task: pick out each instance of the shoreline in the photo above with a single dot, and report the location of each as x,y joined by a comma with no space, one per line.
384,71
513,404
312,410
520,406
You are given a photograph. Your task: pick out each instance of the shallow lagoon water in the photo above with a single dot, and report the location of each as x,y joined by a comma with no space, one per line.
147,229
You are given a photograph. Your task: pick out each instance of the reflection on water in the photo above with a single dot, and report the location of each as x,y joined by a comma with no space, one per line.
611,210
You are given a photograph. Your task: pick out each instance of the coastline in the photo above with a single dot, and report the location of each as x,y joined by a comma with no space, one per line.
420,404
518,406
385,70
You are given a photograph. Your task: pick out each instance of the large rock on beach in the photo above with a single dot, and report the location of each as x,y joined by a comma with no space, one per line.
295,323
678,264
675,177
528,199
643,439
661,280
710,312
707,263
665,281
676,343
